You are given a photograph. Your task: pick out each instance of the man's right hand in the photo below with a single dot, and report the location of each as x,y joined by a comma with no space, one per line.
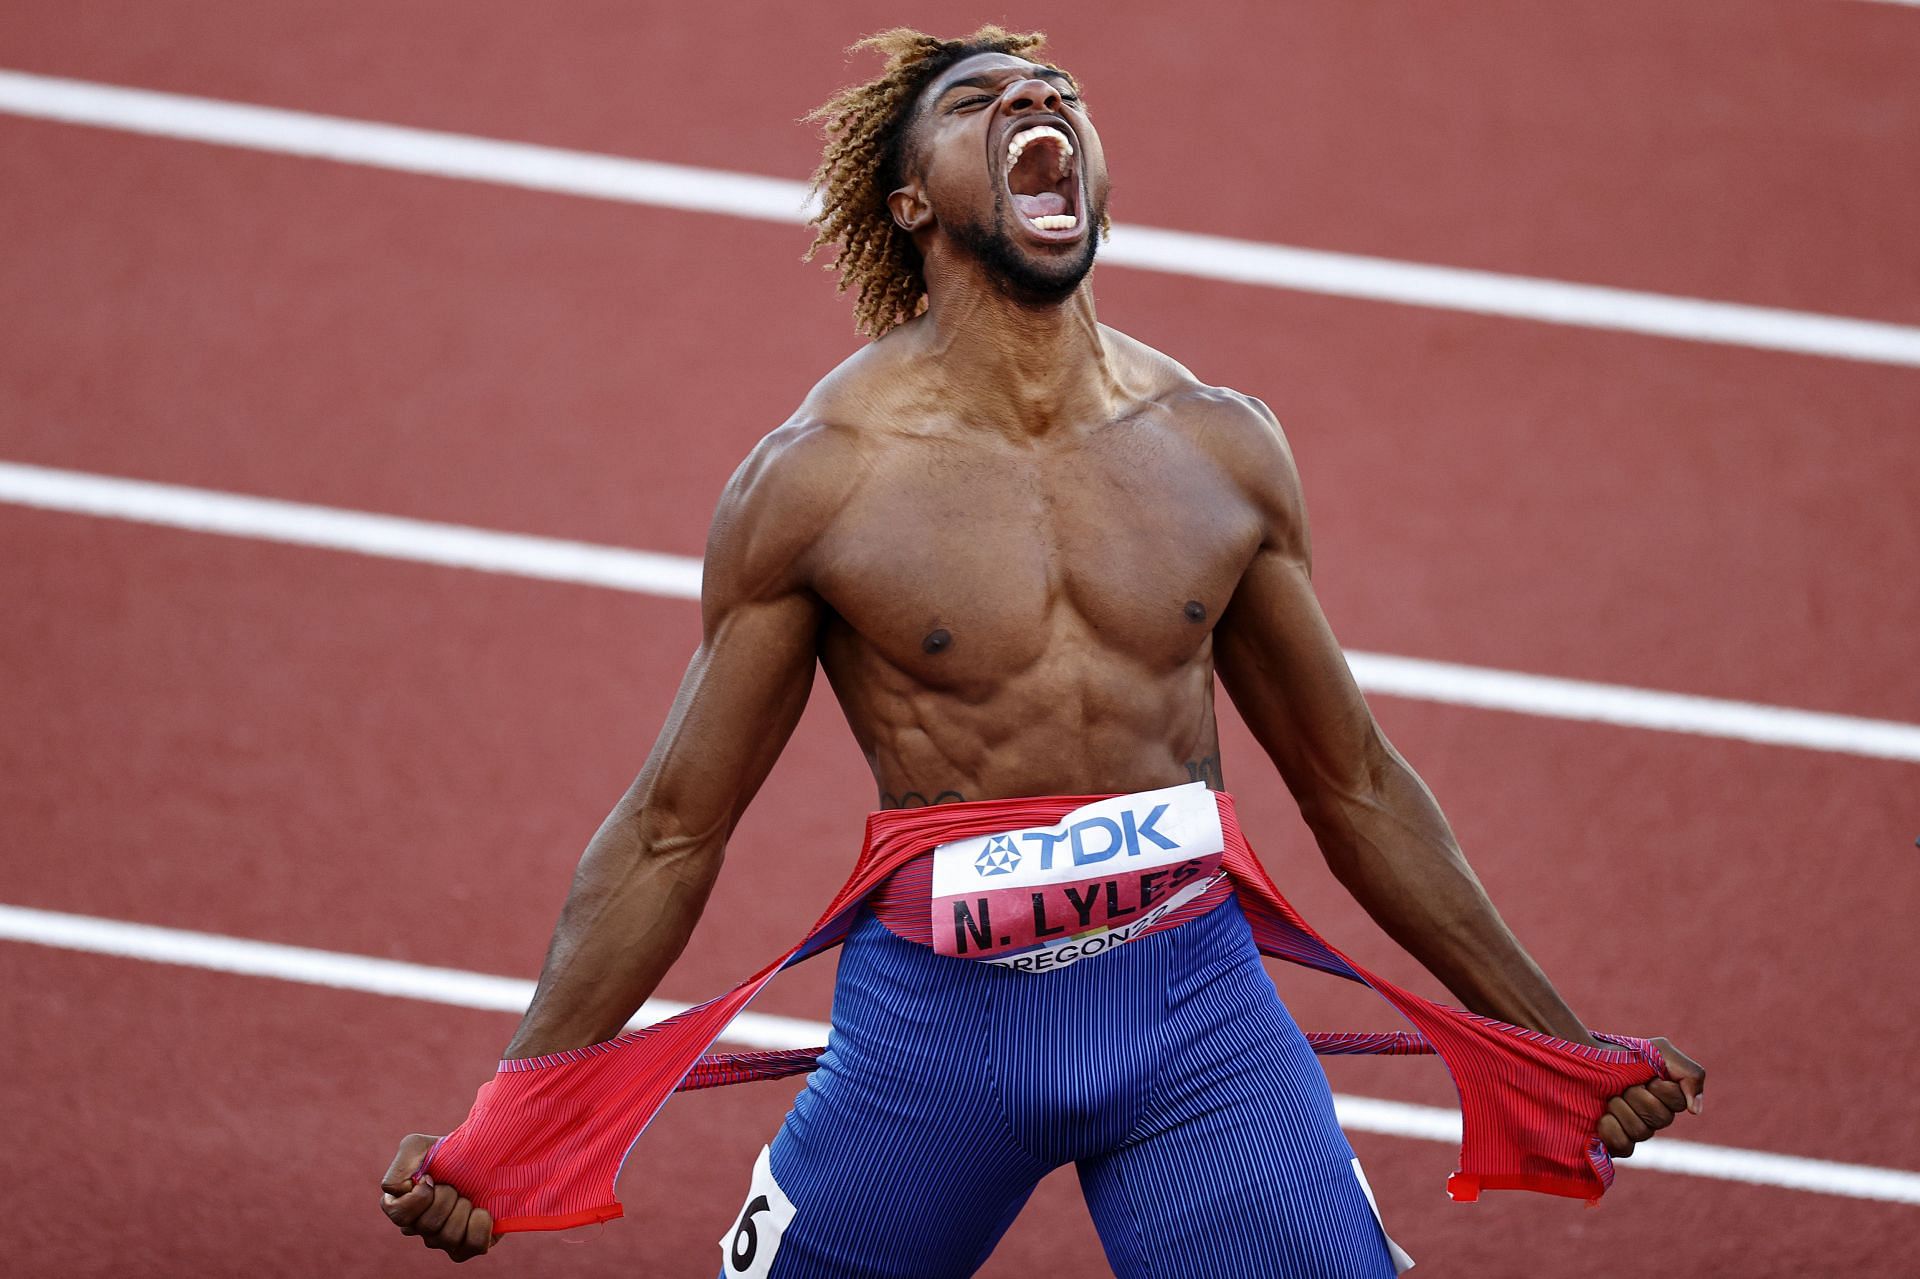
441,1216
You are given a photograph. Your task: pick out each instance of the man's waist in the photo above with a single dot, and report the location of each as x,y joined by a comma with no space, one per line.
1040,896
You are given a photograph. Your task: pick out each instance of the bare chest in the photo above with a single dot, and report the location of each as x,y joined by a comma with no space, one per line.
958,562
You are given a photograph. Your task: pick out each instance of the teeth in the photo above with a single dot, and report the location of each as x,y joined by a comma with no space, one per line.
1020,140
1057,222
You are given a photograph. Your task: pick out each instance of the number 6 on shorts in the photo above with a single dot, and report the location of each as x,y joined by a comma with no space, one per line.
747,1250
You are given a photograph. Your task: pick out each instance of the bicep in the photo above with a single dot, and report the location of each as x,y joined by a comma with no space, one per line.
737,705
748,682
1279,662
1273,649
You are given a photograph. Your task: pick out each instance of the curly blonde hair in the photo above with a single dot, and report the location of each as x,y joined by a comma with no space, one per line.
864,161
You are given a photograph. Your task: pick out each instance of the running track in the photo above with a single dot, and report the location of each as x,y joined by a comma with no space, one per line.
384,758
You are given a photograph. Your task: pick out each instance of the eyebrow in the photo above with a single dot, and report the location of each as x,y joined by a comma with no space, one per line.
987,79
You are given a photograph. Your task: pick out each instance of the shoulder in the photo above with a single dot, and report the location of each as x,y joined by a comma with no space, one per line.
1244,438
1241,433
803,474
805,467
1236,431
791,476
784,497
1217,417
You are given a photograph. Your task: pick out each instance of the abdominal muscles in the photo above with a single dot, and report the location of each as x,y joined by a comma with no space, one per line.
1073,724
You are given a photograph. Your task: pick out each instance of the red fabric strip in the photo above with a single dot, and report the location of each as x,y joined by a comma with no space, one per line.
544,1142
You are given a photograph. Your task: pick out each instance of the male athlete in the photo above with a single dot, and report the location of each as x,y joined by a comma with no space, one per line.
1022,545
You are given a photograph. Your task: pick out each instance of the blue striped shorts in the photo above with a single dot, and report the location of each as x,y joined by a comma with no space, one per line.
1167,1070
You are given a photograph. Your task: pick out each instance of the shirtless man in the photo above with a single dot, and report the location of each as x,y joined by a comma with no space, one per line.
1021,545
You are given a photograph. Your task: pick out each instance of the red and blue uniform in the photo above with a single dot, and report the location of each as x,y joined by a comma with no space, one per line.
1202,1131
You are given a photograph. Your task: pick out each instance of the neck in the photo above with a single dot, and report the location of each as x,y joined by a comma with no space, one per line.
1028,368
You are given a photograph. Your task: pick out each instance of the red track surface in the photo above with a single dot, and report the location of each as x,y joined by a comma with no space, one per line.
403,761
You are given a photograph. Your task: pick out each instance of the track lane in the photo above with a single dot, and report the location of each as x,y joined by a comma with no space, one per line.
338,970
1746,151
259,1116
678,577
567,368
268,767
707,191
1803,246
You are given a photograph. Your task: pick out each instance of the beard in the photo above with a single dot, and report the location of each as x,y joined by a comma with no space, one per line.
1045,281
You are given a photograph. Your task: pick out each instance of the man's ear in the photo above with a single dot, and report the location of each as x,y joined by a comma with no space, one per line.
910,209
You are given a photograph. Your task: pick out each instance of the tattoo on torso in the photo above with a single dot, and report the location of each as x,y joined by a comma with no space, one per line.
915,799
1206,769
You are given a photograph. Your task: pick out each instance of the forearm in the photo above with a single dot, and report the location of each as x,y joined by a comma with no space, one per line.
1389,844
639,890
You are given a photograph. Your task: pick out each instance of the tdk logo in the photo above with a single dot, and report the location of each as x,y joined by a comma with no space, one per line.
1098,838
999,857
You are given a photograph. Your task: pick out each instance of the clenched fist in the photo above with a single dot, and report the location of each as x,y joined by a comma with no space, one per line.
441,1216
1639,1112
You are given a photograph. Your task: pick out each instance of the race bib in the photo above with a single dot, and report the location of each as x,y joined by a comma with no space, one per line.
748,1250
1048,896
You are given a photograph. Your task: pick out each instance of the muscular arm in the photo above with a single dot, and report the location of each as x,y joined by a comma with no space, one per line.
645,876
1377,824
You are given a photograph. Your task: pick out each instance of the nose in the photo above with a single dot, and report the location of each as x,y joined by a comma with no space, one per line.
1032,94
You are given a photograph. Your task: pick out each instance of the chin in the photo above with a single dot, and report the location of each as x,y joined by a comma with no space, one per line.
1039,276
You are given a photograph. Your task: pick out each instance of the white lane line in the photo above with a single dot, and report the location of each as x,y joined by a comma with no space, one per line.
685,187
1520,297
462,989
362,532
678,577
249,958
1553,698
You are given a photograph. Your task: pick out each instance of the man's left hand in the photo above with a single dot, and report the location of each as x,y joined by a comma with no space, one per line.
1641,1111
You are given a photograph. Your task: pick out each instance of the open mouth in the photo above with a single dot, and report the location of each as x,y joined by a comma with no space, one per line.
1044,181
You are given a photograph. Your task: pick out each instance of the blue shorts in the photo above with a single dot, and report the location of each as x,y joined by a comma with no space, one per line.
1167,1070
